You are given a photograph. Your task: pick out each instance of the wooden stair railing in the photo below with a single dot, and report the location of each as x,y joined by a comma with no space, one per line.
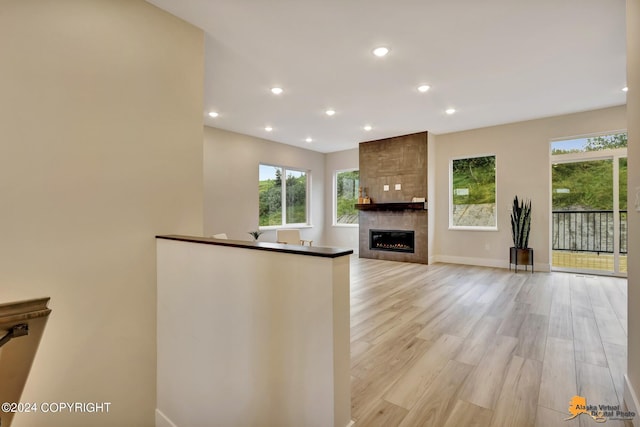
21,326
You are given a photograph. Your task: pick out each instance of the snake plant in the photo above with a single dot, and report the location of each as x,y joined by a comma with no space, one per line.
521,223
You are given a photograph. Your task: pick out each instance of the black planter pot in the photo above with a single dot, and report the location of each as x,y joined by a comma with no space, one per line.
521,257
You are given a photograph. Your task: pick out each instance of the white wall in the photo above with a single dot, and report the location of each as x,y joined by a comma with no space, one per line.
339,235
231,183
633,119
100,150
522,162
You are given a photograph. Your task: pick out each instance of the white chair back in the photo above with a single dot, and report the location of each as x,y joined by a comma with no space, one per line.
289,236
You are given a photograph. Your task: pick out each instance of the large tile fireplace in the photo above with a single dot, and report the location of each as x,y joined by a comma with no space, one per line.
393,172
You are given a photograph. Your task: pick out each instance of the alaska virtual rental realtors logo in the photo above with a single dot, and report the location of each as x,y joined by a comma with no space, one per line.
600,413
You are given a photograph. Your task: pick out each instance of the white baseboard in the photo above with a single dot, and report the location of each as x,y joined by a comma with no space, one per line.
162,420
631,400
483,262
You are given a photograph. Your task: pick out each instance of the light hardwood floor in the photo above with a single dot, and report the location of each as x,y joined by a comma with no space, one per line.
451,345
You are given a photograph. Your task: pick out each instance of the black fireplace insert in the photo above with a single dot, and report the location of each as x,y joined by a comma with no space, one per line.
392,240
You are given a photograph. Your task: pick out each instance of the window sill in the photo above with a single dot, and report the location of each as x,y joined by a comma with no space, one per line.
470,228
286,226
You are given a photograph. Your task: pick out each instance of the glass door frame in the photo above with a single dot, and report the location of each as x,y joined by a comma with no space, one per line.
615,155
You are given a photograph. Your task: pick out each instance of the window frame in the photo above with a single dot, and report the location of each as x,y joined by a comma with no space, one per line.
452,226
335,222
283,195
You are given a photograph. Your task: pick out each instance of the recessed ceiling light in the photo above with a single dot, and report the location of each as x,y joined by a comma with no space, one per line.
380,51
268,128
330,112
276,90
423,88
625,89
450,110
309,139
213,114
367,128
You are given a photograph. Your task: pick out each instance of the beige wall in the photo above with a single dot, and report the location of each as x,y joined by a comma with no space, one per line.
229,210
633,118
100,150
269,345
522,162
338,235
231,183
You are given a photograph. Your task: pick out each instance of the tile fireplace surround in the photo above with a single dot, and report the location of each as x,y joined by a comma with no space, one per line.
384,164
412,220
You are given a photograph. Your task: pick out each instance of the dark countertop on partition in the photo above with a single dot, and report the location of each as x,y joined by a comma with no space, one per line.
318,251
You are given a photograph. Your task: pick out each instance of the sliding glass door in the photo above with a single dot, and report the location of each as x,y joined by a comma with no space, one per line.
622,207
589,205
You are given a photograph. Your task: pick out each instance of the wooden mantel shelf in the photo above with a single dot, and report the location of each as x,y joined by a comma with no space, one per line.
397,206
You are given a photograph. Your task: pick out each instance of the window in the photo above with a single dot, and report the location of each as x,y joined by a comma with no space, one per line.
472,203
282,201
611,141
346,196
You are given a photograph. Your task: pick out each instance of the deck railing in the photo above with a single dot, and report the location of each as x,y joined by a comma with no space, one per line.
587,231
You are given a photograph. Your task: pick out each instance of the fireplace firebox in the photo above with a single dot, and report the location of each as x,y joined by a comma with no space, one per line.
392,240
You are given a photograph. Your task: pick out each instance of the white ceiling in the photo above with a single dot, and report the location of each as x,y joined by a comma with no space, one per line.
494,61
